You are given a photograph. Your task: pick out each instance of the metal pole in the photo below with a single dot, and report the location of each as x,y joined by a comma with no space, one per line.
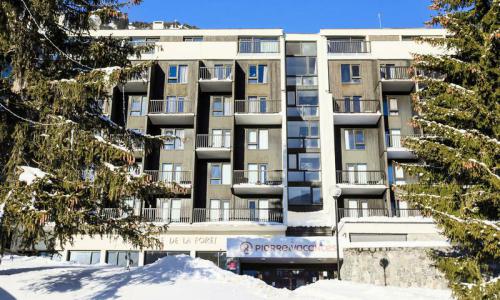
337,236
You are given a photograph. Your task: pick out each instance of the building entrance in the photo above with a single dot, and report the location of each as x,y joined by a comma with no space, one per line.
289,276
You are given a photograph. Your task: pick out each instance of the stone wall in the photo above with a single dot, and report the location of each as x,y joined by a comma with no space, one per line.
408,267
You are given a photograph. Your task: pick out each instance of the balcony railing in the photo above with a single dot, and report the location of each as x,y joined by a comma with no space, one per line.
166,215
213,141
258,177
139,43
169,106
179,177
360,177
354,106
407,212
218,73
396,140
396,73
259,46
341,46
238,214
362,212
257,106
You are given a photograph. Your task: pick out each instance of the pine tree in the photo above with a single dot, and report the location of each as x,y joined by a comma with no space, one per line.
459,111
52,127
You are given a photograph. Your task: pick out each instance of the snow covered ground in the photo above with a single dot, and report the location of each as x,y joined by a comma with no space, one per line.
179,277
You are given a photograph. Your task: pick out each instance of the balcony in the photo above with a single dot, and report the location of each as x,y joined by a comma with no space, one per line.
171,112
175,178
137,83
396,78
348,47
268,215
256,182
354,111
216,79
213,146
395,148
259,45
361,182
378,212
166,215
257,112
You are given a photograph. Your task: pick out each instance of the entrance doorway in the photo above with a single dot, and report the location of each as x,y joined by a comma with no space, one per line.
289,276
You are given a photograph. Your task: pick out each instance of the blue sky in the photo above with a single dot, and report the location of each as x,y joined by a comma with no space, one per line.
295,16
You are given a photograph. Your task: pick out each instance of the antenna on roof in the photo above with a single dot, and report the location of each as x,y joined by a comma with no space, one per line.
380,20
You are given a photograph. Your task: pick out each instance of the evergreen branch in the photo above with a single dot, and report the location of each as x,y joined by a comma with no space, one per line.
36,123
469,132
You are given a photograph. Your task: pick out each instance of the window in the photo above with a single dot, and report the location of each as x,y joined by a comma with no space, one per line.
221,138
395,138
177,74
306,169
171,172
300,66
221,107
257,74
85,257
258,139
354,139
193,39
292,161
393,107
357,173
175,140
303,134
138,106
304,195
257,104
175,104
152,256
398,173
350,73
259,210
219,210
123,258
309,161
352,104
220,173
301,48
257,173
217,257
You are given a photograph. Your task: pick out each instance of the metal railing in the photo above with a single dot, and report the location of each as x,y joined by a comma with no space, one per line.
168,106
407,212
238,214
303,111
259,46
396,140
393,72
258,177
304,175
179,177
342,46
139,43
257,106
360,177
213,141
216,73
362,212
350,105
166,215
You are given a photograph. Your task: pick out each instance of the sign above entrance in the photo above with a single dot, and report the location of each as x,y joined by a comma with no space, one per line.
282,247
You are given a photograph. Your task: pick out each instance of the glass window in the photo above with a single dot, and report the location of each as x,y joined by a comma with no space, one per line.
398,172
175,138
297,66
216,174
309,49
290,98
316,196
350,73
307,97
303,128
226,174
258,139
218,107
85,257
345,71
257,74
177,74
138,105
309,161
172,74
183,74
356,76
354,139
292,161
193,39
123,258
299,195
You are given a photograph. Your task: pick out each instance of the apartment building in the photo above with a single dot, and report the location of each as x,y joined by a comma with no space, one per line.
263,125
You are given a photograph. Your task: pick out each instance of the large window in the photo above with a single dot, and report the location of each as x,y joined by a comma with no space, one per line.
299,66
152,256
301,48
304,167
220,173
177,74
122,258
302,103
138,105
175,104
221,107
221,138
303,134
355,139
85,257
350,73
217,257
219,210
171,172
304,195
258,139
174,138
257,173
257,74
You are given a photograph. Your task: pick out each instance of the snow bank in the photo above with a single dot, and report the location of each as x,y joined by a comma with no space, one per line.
29,174
180,277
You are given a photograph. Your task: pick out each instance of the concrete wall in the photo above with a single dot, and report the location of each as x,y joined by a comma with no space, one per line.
363,265
367,88
370,155
405,113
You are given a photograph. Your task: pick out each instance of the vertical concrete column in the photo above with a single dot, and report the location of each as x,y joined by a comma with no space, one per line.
284,131
102,259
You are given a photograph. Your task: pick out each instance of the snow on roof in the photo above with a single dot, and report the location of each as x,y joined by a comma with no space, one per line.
310,219
30,174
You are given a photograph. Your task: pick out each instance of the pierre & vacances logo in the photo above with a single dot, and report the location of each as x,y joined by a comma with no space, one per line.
248,248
